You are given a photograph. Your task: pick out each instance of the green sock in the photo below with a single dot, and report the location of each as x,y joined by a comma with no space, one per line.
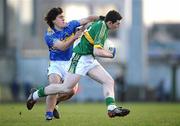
41,92
110,101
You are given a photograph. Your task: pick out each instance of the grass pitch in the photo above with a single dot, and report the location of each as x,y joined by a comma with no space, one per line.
92,114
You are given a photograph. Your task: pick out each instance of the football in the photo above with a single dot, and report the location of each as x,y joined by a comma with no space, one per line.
108,45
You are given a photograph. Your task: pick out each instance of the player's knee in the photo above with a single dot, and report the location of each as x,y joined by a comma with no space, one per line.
71,93
71,89
54,79
75,89
65,96
67,90
110,81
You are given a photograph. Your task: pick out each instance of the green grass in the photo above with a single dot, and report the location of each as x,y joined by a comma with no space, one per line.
74,114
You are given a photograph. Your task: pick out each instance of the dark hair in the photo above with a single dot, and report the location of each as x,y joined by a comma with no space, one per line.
113,16
51,15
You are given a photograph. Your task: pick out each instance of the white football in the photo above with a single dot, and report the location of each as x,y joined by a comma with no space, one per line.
108,45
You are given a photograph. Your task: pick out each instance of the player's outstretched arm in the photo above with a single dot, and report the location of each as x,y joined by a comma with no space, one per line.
89,19
61,45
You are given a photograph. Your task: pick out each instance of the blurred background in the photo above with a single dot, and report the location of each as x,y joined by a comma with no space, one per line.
146,67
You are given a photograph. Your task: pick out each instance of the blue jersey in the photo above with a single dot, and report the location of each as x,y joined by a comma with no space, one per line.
52,35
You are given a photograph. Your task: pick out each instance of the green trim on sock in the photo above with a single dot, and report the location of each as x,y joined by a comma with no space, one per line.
41,92
110,101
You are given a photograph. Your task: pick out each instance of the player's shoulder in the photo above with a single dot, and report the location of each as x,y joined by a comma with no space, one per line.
49,32
99,24
73,22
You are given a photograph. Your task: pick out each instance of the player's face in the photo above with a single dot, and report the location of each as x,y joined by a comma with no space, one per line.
114,25
60,21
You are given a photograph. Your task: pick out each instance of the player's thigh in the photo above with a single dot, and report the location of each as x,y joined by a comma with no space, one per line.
99,74
54,78
71,80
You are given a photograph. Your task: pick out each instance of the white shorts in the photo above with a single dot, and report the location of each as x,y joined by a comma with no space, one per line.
59,67
82,64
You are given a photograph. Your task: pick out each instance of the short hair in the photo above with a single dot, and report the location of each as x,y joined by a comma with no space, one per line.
51,15
113,16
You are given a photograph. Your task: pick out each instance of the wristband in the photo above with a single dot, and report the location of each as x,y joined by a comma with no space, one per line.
113,50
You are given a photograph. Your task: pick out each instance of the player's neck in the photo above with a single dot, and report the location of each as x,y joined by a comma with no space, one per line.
58,28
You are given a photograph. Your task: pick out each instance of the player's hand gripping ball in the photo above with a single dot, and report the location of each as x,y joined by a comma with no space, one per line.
113,51
108,45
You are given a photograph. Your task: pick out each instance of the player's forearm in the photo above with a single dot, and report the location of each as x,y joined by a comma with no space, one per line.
68,43
88,20
102,53
92,18
64,45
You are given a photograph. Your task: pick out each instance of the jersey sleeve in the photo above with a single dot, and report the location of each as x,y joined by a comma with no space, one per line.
100,33
50,40
73,25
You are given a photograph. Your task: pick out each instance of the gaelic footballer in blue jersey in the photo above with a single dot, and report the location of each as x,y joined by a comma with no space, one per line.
59,38
53,36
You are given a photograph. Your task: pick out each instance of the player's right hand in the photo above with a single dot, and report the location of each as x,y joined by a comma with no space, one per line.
78,34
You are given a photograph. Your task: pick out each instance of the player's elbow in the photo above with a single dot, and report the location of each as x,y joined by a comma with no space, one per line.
109,81
92,18
63,49
61,46
67,90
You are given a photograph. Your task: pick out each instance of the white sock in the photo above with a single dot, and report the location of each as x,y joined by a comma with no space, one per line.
111,107
35,95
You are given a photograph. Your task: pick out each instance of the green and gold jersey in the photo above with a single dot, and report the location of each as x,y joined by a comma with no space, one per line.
94,36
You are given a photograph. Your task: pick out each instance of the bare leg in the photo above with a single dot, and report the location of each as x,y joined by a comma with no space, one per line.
52,99
69,83
66,96
99,74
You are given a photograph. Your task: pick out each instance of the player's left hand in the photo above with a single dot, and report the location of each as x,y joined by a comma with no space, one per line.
113,50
